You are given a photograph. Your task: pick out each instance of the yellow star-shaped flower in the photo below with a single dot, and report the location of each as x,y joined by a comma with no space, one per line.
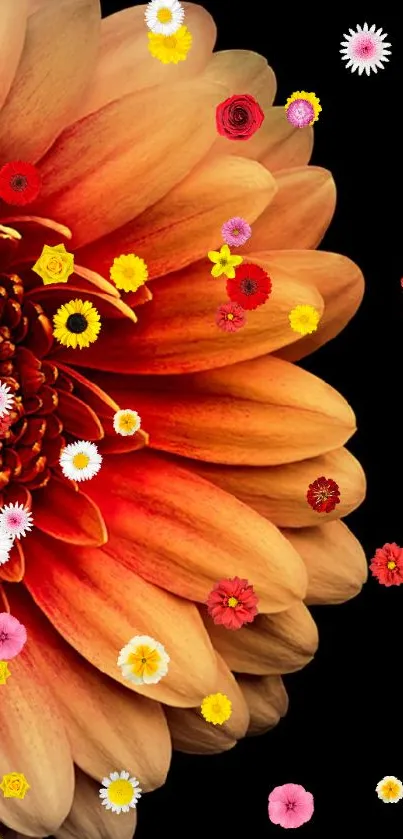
14,785
54,265
4,672
224,262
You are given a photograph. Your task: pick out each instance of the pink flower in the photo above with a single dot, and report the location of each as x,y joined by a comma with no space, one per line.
290,805
232,603
387,565
236,232
15,519
230,317
13,636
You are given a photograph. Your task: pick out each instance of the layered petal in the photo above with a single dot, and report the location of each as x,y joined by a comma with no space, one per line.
285,147
88,818
13,570
69,515
271,645
192,734
13,19
51,77
335,561
178,531
267,700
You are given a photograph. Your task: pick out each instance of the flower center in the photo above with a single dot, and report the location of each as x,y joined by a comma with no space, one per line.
55,265
365,47
80,460
249,286
76,323
18,183
232,602
230,316
170,42
235,231
144,661
120,792
391,565
290,805
223,261
239,115
3,636
164,15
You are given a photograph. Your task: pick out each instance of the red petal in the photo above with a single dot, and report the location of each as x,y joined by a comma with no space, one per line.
91,394
52,296
116,444
68,515
78,419
13,571
4,604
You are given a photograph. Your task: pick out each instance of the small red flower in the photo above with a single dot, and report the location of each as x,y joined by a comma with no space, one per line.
238,117
251,286
387,565
230,317
20,183
323,495
232,603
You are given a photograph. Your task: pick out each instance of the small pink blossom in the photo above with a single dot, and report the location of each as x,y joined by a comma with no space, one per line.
290,805
300,113
15,519
236,231
13,636
230,317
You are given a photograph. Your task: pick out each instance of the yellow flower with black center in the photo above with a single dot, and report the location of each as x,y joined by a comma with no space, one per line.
54,265
76,324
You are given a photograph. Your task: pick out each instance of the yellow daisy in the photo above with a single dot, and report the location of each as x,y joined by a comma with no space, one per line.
170,49
304,319
129,272
126,422
4,672
309,97
76,324
54,265
143,660
390,790
14,785
225,262
216,708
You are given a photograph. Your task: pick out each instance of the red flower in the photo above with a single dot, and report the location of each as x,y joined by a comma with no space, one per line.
230,317
19,183
251,286
232,603
323,495
387,565
5,423
238,117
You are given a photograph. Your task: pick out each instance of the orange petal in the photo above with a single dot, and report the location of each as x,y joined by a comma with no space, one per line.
34,742
271,645
13,570
108,726
53,296
4,604
69,515
182,533
257,413
285,146
77,418
116,444
299,214
123,36
98,604
109,150
90,394
13,19
335,562
192,734
267,700
337,279
187,222
88,818
279,493
51,77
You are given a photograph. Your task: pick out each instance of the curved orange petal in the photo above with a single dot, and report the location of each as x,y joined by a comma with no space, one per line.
4,604
13,570
267,700
51,77
13,19
285,147
179,532
68,515
89,393
53,296
87,818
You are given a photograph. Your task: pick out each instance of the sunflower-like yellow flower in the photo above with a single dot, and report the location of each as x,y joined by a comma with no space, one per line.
216,708
170,49
54,265
77,324
129,272
14,785
309,97
224,262
304,319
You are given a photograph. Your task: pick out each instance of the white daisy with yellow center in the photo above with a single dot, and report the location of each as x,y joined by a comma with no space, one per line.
121,792
143,661
126,422
164,17
80,461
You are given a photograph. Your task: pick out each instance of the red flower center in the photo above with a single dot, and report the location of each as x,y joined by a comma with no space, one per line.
239,115
249,286
18,183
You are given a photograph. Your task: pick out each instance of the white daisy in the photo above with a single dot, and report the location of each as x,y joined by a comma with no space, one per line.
80,461
143,661
121,792
15,519
126,422
6,399
6,543
164,17
365,50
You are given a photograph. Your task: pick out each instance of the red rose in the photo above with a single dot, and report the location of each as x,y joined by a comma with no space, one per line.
238,117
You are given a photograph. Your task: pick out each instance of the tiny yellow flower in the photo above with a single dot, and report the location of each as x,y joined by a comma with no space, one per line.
54,265
4,672
126,422
390,790
216,708
129,272
225,262
14,785
170,49
304,319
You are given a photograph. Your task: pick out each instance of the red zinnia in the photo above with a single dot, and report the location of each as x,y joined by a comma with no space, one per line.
230,317
251,286
387,565
232,603
20,183
323,495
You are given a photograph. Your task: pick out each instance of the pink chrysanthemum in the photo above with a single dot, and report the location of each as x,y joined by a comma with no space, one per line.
232,603
230,317
387,565
15,519
6,400
300,113
365,50
13,636
236,232
290,805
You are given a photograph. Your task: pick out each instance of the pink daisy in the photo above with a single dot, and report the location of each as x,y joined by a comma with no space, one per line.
230,317
236,232
290,805
232,603
6,399
13,636
15,519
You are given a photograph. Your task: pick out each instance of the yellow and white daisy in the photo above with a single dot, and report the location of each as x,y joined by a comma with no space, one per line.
126,422
120,793
164,16
80,461
390,789
143,661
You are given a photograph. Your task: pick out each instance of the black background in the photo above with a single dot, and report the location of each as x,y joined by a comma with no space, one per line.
342,733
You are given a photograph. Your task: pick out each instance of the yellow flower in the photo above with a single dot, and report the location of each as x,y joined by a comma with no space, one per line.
224,262
77,324
216,708
4,672
390,789
14,785
126,422
309,97
304,319
170,48
54,265
129,272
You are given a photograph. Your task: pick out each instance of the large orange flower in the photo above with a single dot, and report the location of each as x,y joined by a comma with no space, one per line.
130,163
